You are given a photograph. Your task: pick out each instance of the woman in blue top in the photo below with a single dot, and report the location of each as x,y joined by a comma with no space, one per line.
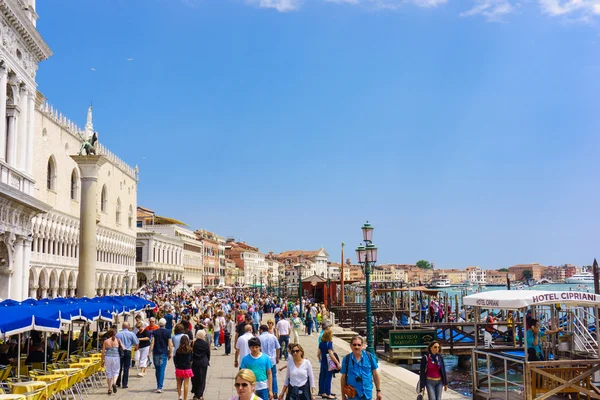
534,340
325,376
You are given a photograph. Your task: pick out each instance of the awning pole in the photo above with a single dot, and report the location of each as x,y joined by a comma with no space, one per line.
69,341
19,356
45,351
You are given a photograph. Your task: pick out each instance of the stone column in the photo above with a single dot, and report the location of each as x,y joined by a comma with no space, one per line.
44,292
54,291
11,135
33,292
89,166
22,130
16,287
30,132
3,97
26,261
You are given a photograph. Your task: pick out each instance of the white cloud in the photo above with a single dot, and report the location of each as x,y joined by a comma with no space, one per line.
492,10
569,7
279,5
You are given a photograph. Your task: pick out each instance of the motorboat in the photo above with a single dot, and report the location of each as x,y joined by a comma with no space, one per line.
584,277
440,283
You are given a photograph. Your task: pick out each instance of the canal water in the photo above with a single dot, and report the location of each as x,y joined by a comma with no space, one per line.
459,379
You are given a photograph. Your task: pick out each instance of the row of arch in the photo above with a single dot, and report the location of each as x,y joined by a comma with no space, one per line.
45,282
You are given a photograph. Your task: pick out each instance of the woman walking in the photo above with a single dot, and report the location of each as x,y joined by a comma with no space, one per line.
296,325
144,338
433,372
245,382
299,378
229,329
325,375
200,363
111,359
183,366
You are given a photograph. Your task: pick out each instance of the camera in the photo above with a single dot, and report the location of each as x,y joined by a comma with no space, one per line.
359,379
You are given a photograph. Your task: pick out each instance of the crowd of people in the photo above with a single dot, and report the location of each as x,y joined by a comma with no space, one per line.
259,331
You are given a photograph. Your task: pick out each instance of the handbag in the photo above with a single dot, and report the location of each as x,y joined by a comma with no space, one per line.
348,390
222,336
331,365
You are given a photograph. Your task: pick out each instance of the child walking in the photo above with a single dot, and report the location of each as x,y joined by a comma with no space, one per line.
183,367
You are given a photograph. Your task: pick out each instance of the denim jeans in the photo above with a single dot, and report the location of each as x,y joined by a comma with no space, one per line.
123,377
227,343
160,365
274,375
284,341
263,394
217,334
434,389
315,325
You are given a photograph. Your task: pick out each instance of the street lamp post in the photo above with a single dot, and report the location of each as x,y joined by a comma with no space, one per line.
299,269
367,256
254,282
126,282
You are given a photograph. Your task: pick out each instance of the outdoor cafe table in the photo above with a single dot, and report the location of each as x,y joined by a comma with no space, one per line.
24,387
12,397
52,377
66,371
87,360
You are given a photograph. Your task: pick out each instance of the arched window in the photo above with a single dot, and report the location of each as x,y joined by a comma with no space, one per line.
103,199
118,212
74,184
130,217
51,174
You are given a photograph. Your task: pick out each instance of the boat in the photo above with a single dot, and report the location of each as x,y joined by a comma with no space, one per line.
440,283
584,277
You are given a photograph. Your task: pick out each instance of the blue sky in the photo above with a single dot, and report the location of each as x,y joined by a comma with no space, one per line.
466,132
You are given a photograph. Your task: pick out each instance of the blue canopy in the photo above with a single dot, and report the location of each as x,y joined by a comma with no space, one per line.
47,314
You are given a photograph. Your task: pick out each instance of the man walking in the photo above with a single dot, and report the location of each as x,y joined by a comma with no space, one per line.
271,347
359,370
241,346
161,348
128,339
283,329
260,364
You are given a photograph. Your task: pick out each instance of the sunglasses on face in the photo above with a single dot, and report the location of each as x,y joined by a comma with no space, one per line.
356,344
295,351
243,384
435,347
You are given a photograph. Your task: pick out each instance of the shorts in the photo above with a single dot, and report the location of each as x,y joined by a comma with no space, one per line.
184,373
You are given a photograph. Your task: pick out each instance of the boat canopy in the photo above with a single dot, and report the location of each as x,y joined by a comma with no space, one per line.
426,290
515,299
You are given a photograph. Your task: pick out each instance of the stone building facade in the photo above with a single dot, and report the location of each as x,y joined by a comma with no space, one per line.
39,182
54,251
21,50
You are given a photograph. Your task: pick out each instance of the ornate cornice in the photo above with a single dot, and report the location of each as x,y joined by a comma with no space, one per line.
21,24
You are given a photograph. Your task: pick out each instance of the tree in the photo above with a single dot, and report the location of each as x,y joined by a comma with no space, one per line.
527,274
424,264
503,270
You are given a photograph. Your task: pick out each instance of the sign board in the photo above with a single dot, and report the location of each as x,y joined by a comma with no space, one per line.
411,338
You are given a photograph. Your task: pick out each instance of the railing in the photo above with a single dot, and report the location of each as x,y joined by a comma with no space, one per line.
545,379
583,340
502,381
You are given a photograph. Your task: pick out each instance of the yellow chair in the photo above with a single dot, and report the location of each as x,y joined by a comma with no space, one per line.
5,373
35,395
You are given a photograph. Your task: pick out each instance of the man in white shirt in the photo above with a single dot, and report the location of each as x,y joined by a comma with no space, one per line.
283,329
241,346
271,347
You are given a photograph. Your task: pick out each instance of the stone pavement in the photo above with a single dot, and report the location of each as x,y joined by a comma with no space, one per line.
397,382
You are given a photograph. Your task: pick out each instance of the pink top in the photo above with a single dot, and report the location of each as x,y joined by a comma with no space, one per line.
433,370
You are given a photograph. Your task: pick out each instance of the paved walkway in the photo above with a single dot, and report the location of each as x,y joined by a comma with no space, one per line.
397,383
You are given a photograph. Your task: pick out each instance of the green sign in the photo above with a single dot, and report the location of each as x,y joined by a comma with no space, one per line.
420,338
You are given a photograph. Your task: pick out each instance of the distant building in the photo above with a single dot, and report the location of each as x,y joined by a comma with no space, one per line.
210,246
536,269
476,275
248,259
314,261
498,277
456,276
